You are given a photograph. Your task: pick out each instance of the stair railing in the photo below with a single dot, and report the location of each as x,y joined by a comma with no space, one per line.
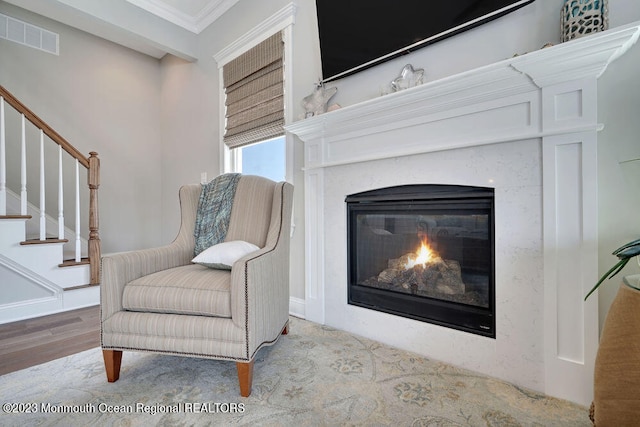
91,164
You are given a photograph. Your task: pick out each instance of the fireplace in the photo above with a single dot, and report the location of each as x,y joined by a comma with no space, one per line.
424,252
527,127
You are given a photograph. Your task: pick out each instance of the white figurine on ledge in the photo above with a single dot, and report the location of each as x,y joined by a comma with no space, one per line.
408,78
317,102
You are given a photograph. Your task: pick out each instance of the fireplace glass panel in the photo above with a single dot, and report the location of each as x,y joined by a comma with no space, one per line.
455,248
424,252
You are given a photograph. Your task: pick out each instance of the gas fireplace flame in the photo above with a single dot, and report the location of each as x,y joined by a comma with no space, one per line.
424,256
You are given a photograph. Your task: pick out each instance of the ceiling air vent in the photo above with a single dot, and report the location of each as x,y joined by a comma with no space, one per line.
28,35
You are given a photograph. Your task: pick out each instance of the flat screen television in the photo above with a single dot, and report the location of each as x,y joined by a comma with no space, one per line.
358,34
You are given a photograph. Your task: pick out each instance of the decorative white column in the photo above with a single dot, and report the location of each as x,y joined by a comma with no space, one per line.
314,245
567,75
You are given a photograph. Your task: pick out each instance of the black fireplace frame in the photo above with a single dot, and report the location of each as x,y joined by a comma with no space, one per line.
418,197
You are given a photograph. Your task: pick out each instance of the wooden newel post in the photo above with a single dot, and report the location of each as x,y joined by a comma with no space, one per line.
94,235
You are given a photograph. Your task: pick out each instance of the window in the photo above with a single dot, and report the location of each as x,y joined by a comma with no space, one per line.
265,158
254,109
254,141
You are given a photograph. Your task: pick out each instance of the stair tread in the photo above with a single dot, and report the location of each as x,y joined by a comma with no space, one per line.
72,262
88,285
15,217
43,242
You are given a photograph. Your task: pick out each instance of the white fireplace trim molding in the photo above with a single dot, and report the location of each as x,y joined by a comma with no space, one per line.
549,95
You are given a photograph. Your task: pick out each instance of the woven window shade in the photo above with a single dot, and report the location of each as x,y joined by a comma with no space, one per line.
254,88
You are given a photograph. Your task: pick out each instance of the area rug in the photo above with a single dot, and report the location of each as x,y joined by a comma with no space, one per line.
315,376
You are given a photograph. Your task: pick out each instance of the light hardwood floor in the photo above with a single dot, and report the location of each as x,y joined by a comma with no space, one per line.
34,341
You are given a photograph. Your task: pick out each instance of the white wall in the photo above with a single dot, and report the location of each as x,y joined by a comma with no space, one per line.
189,135
618,183
100,97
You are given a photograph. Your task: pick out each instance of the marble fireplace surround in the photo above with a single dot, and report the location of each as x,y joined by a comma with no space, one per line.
526,126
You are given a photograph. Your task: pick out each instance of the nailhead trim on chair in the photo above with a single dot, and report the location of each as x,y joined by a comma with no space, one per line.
246,278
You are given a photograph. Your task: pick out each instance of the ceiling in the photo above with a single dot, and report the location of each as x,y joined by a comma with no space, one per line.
193,15
152,27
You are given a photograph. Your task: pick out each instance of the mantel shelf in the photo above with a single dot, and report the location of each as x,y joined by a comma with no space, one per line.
583,58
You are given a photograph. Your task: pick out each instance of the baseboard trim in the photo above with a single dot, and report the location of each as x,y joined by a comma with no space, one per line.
296,307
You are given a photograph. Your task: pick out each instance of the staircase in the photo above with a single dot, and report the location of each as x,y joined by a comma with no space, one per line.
43,272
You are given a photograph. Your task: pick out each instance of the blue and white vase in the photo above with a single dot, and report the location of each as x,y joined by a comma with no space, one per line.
582,17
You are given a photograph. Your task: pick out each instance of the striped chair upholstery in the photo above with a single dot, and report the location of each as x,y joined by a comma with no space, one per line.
156,300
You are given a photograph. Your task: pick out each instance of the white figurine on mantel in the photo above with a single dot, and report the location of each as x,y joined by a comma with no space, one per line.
317,102
408,78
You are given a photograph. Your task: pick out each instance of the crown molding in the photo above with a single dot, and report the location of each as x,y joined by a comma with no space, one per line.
194,23
276,22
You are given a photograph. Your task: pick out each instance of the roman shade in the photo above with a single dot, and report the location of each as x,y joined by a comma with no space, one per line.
254,87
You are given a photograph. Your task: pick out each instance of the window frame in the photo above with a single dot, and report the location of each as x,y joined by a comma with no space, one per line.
283,20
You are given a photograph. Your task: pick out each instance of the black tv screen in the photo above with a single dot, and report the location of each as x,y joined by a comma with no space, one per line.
358,34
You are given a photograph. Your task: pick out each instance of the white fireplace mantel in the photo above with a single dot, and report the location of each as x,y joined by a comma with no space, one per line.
542,104
514,81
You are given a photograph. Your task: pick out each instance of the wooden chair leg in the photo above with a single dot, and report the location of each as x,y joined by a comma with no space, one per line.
285,330
112,361
245,377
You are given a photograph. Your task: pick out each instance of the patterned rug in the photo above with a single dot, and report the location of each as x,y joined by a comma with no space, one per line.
315,376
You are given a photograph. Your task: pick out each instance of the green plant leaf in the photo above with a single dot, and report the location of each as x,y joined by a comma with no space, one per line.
629,252
609,274
628,245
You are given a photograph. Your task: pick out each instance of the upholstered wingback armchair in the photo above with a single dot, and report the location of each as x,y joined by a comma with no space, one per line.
158,300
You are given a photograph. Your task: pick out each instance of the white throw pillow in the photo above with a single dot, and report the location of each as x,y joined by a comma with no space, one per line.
223,255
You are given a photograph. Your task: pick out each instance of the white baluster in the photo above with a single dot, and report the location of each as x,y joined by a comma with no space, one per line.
23,170
78,245
43,218
3,162
60,196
